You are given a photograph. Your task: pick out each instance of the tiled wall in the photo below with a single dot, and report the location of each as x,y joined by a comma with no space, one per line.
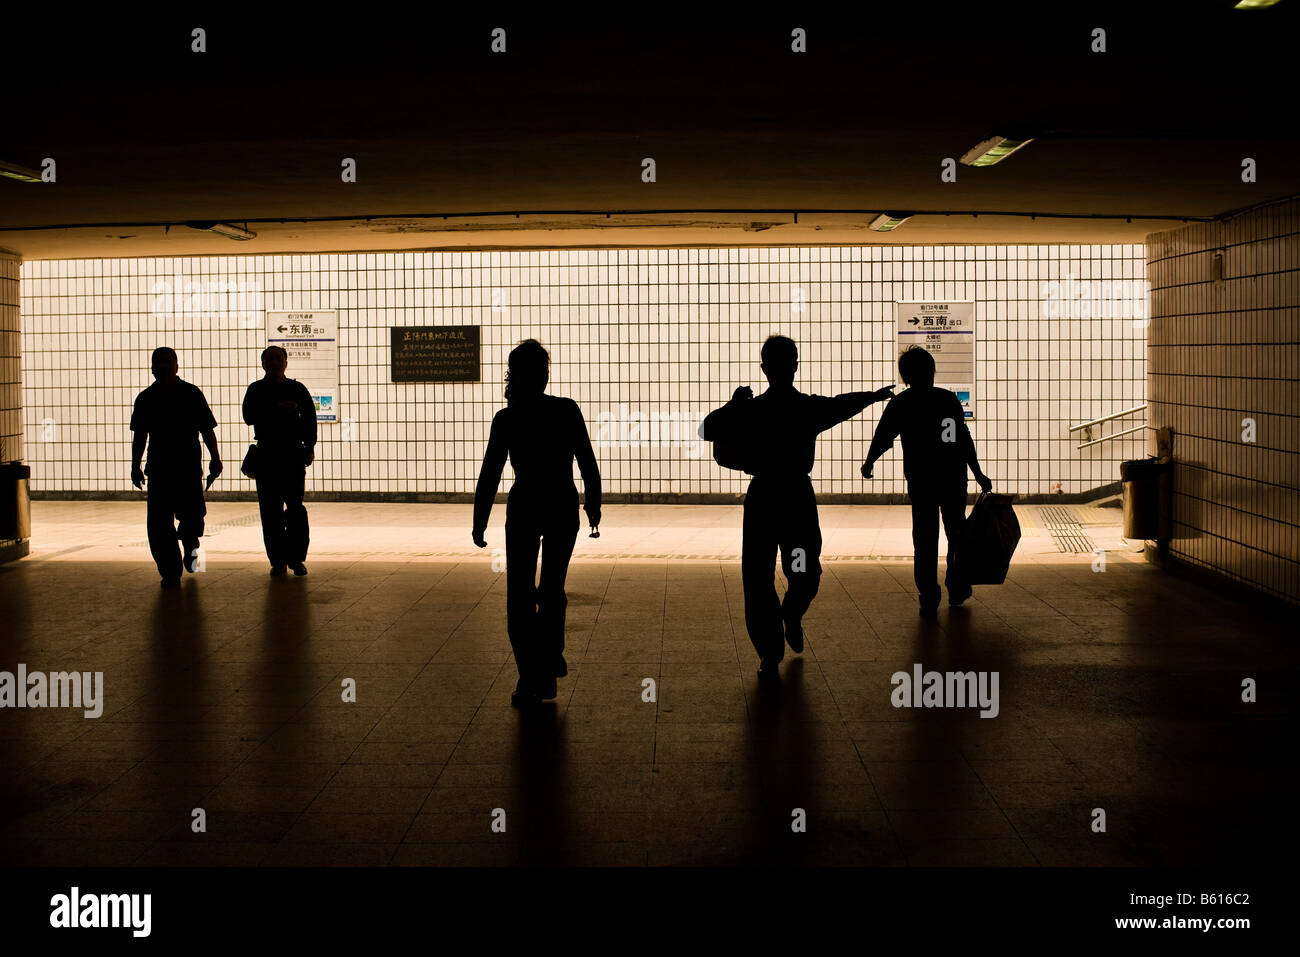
664,334
11,388
1223,367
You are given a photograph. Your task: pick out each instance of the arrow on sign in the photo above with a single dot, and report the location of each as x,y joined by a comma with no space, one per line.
914,321
282,328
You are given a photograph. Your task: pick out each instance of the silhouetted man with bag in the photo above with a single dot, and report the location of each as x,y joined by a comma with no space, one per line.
937,449
283,416
170,416
774,437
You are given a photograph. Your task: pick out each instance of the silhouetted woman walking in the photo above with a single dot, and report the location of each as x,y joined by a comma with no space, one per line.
542,434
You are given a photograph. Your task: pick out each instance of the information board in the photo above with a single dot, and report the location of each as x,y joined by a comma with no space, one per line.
311,340
947,331
435,353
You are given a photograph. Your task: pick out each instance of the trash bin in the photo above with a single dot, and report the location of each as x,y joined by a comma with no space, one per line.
1146,498
15,511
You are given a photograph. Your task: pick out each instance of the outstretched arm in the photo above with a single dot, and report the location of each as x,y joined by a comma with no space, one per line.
489,477
830,411
587,466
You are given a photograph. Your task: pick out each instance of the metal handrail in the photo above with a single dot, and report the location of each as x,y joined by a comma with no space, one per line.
1107,418
1113,435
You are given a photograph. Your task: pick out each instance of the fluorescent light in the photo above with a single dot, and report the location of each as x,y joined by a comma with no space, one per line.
887,221
223,229
993,150
1253,4
20,173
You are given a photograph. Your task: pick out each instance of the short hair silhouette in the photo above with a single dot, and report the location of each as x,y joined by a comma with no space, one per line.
529,366
280,349
916,366
780,358
163,352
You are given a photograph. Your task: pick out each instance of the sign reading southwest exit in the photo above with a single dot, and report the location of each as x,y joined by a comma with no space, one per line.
947,331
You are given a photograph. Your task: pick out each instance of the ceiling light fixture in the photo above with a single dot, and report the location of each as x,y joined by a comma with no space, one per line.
20,173
994,150
223,229
889,221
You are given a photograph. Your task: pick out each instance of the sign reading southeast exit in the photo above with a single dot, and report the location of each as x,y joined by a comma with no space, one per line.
947,331
311,340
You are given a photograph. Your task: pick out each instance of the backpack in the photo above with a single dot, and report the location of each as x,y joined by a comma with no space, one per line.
732,453
735,451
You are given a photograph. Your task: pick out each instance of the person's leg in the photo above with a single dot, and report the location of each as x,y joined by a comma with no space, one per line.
190,511
557,549
522,544
801,550
270,504
925,549
296,534
953,509
758,573
160,511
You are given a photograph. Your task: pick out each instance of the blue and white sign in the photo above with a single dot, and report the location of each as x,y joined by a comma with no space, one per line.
311,340
947,331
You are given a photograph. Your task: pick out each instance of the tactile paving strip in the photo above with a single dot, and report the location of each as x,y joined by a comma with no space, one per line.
1065,529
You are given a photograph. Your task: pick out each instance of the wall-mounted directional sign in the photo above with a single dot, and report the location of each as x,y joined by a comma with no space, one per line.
435,353
311,340
947,331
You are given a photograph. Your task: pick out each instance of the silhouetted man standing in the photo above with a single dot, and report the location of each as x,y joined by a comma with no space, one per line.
283,417
778,431
937,448
170,416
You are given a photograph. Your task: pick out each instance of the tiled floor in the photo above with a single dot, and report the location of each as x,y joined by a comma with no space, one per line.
113,531
1119,690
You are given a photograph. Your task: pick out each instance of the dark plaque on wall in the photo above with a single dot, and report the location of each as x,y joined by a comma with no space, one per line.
435,353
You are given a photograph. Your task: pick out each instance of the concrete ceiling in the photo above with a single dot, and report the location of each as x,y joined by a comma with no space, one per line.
753,144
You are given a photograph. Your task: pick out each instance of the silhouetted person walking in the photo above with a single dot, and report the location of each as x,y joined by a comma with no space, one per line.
937,448
778,431
283,417
171,415
542,435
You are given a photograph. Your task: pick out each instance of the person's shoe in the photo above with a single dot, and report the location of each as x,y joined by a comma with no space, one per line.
767,670
299,569
959,594
546,688
561,668
278,570
169,582
794,635
525,694
929,611
191,561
